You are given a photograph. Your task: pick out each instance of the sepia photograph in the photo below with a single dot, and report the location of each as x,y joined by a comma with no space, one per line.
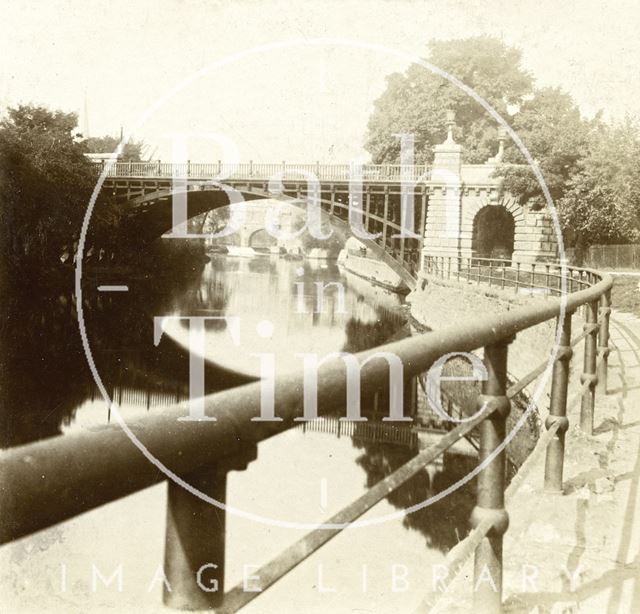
320,307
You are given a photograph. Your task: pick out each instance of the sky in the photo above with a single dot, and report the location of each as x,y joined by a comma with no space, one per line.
296,101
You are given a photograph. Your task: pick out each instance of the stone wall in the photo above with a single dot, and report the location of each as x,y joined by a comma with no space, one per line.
441,304
458,192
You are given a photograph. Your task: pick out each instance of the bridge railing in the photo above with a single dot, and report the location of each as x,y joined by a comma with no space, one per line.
264,171
53,480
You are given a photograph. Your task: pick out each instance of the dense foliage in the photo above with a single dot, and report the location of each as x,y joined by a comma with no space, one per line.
46,183
602,201
132,151
591,168
416,101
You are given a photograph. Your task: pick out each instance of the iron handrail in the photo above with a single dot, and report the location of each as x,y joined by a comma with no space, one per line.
47,482
457,556
76,463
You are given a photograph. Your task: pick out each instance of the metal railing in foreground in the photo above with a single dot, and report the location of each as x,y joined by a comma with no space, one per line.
53,480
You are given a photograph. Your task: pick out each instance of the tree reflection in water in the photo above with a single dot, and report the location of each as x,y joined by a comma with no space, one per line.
45,375
443,523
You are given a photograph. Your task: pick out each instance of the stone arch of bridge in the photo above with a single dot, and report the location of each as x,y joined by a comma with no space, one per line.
261,238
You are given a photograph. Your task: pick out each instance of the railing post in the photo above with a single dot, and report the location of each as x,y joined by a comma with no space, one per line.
603,341
194,559
548,280
558,410
533,277
367,213
385,215
491,482
589,369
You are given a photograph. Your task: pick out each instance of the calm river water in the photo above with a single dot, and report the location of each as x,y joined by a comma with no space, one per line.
302,477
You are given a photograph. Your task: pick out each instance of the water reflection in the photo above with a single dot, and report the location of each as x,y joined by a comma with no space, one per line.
46,380
48,389
284,309
442,524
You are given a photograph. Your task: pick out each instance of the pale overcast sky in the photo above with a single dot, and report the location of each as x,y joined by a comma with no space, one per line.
299,103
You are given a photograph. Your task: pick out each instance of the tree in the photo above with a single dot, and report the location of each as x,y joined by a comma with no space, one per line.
601,203
590,168
416,100
132,151
46,184
552,129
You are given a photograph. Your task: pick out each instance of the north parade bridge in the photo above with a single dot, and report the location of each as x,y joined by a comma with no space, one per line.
56,479
457,211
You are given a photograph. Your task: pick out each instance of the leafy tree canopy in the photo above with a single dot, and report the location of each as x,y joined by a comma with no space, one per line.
601,202
46,184
552,129
132,151
590,168
416,101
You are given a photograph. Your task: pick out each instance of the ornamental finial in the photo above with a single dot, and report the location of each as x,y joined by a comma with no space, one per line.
451,122
502,137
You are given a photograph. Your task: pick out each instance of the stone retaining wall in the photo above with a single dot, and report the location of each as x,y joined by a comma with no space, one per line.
438,304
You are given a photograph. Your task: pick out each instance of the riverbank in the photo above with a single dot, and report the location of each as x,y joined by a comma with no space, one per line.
437,304
156,259
591,530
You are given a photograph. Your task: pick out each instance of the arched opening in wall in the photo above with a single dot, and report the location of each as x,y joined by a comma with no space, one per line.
493,233
261,239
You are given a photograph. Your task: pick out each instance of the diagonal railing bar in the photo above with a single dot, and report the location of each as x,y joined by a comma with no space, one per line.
533,375
292,556
50,481
595,334
460,553
530,377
